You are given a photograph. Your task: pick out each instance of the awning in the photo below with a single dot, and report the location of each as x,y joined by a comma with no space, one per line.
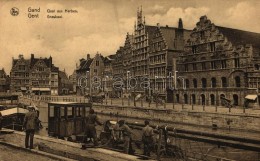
23,88
251,97
40,89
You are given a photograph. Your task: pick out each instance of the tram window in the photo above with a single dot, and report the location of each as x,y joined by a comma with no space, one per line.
62,111
51,111
69,112
79,111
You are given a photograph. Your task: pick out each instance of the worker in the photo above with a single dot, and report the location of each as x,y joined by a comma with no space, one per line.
90,123
147,138
127,135
29,125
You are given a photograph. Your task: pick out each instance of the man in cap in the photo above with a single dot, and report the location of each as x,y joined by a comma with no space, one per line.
126,131
90,123
29,125
147,138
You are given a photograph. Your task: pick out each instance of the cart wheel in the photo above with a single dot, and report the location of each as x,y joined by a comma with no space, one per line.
104,138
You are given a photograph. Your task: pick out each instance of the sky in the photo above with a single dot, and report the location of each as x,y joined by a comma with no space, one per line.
100,26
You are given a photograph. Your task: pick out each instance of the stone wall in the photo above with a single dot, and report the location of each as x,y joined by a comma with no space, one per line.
243,122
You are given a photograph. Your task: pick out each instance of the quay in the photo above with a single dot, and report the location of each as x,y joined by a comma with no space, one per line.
204,129
56,149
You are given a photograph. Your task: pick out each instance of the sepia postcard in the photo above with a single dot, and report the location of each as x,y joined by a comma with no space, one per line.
117,80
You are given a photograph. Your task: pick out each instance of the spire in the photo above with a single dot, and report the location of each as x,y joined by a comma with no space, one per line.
180,25
139,16
144,19
135,25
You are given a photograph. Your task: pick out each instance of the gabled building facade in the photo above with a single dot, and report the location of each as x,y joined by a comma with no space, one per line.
90,73
4,81
20,74
34,75
218,64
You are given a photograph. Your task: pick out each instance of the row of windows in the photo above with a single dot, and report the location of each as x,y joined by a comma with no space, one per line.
213,81
211,47
157,59
203,101
213,65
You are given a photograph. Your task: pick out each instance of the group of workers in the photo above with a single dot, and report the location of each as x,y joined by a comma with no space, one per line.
31,121
122,128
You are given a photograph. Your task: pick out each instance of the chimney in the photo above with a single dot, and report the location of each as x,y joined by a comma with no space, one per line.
180,25
88,56
158,25
21,56
32,56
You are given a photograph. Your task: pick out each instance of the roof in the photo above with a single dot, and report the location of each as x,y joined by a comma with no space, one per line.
169,36
240,37
85,64
150,30
47,61
2,73
70,103
54,68
63,75
27,61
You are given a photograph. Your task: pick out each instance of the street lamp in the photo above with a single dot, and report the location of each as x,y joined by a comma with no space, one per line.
127,81
88,78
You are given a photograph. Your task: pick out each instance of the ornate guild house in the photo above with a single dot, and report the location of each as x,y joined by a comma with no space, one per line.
218,64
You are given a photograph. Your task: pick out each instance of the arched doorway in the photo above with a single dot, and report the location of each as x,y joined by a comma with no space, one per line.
185,98
177,98
202,96
222,99
193,97
212,99
235,99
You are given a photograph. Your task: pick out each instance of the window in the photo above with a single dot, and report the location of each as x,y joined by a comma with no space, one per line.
224,81
213,65
202,34
237,61
204,82
212,46
237,81
257,67
212,99
187,83
195,84
194,65
223,64
194,49
97,63
213,82
186,67
21,67
203,65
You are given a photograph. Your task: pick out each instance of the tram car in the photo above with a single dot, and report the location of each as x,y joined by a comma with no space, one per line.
66,118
